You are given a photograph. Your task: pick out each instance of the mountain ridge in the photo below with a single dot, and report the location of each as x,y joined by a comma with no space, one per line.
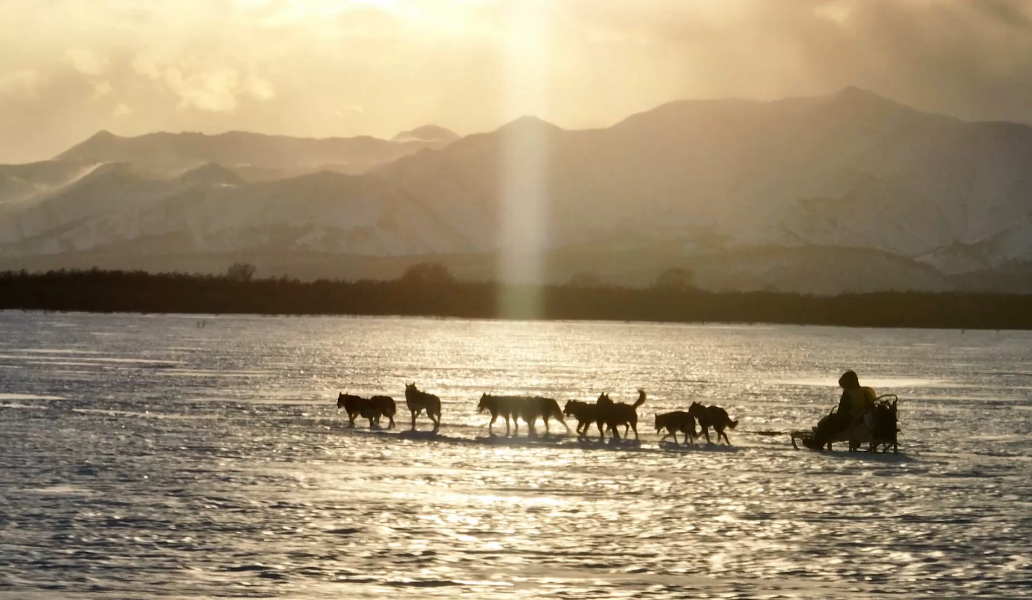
187,150
687,179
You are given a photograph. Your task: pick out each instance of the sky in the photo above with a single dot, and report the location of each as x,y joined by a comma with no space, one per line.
321,68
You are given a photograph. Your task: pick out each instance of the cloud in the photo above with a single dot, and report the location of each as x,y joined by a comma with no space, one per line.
260,88
101,89
971,59
86,61
202,81
350,108
211,90
145,65
21,84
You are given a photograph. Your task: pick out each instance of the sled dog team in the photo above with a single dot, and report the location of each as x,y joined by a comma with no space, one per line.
606,414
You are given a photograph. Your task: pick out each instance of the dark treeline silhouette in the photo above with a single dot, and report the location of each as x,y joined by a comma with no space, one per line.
431,292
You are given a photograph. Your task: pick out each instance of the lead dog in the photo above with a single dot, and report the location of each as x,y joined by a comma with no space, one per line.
673,422
613,414
712,416
418,401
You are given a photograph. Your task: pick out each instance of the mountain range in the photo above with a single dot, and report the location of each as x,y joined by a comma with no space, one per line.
849,191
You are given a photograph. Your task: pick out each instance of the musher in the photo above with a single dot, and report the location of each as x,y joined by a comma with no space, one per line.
856,400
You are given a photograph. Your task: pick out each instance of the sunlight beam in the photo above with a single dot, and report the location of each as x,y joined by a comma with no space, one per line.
524,212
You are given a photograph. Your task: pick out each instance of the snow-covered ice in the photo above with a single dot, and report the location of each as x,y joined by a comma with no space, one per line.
143,456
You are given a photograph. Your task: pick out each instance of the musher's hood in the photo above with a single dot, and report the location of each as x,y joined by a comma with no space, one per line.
849,380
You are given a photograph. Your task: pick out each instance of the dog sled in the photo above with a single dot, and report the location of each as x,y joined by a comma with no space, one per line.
876,428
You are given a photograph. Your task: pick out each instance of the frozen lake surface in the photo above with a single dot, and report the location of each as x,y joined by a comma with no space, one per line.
145,456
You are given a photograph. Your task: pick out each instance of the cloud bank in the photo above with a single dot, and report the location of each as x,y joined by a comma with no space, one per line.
347,67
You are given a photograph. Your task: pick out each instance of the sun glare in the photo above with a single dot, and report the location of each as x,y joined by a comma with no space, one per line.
523,214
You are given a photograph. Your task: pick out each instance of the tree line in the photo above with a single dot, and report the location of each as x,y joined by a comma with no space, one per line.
429,290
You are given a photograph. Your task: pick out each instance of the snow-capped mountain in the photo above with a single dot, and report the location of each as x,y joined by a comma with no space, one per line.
851,170
24,182
207,211
847,191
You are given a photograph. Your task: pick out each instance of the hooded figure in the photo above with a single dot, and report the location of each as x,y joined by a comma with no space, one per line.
855,401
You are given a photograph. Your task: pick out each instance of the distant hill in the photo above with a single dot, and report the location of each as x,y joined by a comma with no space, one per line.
169,152
427,133
21,182
211,173
849,191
